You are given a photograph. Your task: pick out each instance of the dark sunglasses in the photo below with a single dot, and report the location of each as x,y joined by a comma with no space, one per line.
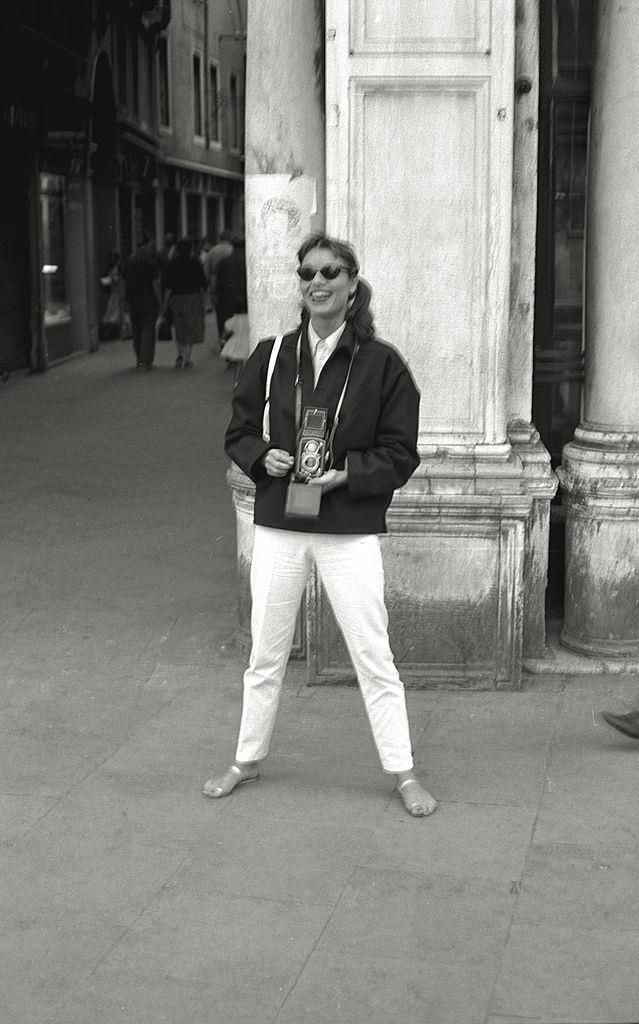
329,272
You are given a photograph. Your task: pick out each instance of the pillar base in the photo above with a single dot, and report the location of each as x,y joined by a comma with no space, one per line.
600,480
454,567
541,484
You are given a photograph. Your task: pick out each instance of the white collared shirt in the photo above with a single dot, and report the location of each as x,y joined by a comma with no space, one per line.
322,348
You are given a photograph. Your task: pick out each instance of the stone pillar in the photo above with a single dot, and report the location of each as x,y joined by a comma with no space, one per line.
284,192
600,471
284,184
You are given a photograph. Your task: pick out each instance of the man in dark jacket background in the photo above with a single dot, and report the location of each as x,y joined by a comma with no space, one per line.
142,296
229,284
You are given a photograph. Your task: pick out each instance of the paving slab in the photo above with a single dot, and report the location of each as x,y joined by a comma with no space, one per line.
247,951
399,913
569,886
568,976
45,952
335,988
494,844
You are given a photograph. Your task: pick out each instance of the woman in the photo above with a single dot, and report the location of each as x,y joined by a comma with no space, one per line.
184,285
332,362
111,281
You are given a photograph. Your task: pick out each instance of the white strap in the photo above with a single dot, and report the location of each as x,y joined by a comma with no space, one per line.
266,419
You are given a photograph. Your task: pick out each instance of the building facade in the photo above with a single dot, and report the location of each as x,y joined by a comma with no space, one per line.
117,117
462,149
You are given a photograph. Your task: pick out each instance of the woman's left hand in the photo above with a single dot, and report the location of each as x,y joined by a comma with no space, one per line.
330,480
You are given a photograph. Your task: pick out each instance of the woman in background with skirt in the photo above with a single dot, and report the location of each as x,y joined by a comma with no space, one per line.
184,286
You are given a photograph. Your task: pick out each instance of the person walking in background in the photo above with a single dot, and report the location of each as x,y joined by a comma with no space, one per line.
324,500
230,287
236,345
204,249
166,253
184,289
168,249
217,253
111,324
142,296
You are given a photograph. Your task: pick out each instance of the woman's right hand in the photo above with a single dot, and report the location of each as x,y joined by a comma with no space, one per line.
277,462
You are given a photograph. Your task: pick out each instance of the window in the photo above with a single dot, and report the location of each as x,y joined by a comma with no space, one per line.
234,114
197,95
164,101
56,306
214,104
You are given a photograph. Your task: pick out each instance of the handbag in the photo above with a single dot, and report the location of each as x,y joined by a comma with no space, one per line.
163,330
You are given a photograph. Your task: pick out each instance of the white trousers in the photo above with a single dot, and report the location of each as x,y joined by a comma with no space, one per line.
352,572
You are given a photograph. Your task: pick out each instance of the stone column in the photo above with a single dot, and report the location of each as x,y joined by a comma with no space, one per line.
284,190
600,471
285,149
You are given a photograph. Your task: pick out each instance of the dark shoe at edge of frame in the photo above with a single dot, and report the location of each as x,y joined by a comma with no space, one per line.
178,362
627,724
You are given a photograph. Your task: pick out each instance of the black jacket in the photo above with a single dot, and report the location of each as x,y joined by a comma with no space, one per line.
377,430
230,282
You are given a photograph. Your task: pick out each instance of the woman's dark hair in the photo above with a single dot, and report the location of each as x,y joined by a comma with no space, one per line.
359,311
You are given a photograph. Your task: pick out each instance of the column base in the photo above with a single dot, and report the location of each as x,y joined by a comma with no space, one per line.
454,565
600,480
541,484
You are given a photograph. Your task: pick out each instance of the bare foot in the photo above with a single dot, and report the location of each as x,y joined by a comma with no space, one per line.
224,785
417,800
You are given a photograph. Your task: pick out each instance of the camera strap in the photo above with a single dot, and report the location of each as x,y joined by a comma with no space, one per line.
266,416
299,388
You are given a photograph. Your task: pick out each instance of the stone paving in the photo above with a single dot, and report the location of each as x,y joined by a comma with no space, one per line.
311,897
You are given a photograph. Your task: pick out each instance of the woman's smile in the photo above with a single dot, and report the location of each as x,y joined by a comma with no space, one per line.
319,295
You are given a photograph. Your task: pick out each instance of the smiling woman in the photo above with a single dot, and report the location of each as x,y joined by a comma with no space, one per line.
343,413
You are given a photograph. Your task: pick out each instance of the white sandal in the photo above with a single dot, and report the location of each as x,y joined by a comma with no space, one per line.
219,791
415,809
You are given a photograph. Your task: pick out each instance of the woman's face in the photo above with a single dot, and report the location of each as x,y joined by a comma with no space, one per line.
321,296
